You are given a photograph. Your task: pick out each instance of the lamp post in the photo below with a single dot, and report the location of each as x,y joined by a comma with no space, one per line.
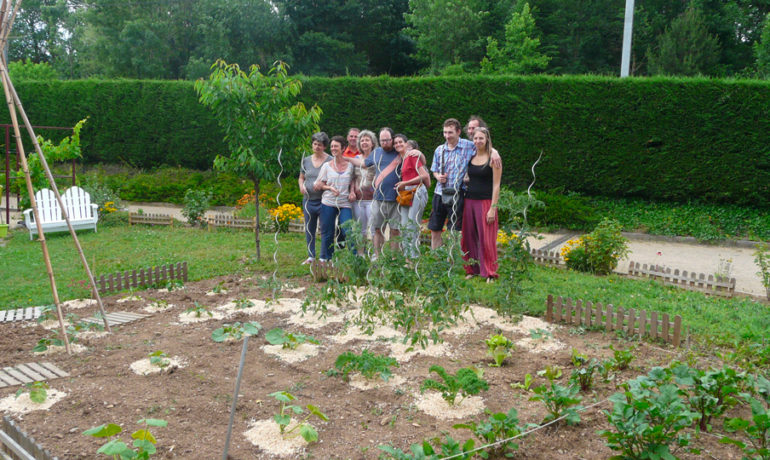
628,27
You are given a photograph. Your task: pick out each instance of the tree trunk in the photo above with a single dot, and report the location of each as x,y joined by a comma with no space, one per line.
256,208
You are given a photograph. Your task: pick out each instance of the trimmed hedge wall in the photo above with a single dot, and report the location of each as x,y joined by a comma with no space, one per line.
655,138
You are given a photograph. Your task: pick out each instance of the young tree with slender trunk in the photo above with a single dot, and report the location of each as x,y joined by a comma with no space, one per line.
264,127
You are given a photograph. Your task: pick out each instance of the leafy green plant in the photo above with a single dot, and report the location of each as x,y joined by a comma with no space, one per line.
47,313
578,359
144,440
560,401
367,363
46,342
497,431
235,331
465,382
540,334
289,340
159,358
648,418
244,303
499,348
551,373
712,392
174,285
525,385
37,391
283,417
219,288
621,358
584,376
449,448
762,259
195,204
198,310
757,429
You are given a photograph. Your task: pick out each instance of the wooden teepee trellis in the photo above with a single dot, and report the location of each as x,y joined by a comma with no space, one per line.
8,11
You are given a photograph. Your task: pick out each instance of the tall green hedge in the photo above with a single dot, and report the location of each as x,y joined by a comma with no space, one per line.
656,138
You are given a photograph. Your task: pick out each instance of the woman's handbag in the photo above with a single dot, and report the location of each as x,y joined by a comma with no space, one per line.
405,197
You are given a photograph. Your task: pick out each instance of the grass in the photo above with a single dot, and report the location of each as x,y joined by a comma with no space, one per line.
112,249
223,252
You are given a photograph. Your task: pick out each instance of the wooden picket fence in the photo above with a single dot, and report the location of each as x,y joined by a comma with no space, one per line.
655,325
546,257
714,285
150,219
141,278
15,444
229,221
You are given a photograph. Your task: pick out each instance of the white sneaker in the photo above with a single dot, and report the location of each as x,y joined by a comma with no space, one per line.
308,261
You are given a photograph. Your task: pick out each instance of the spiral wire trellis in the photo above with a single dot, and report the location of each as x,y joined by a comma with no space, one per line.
275,282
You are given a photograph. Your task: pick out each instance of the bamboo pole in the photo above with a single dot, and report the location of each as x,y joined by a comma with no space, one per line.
14,102
31,192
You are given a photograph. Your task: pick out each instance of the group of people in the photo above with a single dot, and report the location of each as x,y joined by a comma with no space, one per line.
383,181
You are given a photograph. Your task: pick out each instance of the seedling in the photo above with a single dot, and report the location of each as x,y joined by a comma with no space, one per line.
540,334
559,401
244,303
44,343
159,358
584,376
497,432
173,285
288,340
283,418
622,358
198,310
551,373
578,359
466,382
448,448
47,313
219,288
144,441
528,379
235,331
37,391
499,348
756,430
368,364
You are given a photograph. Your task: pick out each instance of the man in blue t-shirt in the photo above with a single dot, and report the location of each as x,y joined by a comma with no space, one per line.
384,205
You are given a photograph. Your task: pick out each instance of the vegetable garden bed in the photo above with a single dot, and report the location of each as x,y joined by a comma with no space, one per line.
195,398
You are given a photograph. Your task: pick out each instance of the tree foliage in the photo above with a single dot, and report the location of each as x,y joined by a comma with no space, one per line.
762,51
685,48
519,53
264,126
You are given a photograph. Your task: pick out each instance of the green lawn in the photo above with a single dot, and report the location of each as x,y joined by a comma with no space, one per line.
209,254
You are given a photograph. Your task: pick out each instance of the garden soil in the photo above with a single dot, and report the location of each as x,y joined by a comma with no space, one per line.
195,397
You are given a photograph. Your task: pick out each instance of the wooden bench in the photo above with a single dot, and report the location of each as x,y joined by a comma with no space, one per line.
77,203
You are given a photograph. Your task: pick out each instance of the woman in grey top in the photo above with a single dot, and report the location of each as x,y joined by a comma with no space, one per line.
311,201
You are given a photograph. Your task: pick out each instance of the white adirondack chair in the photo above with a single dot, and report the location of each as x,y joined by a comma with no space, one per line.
77,202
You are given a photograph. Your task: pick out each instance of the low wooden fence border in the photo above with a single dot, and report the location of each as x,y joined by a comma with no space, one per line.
655,325
15,444
229,221
150,219
715,285
545,257
143,277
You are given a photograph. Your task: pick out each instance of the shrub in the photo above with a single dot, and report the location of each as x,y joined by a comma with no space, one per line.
599,251
196,202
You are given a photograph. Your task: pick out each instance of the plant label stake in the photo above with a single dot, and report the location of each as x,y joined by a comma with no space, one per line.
235,396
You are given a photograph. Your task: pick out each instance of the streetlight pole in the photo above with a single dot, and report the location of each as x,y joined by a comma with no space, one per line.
628,27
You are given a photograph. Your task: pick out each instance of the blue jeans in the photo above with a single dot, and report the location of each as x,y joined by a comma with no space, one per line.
329,227
311,209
